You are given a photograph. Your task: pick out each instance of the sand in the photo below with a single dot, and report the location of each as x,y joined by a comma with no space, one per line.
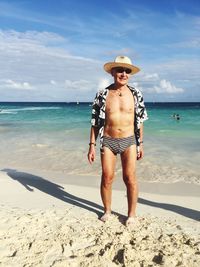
46,222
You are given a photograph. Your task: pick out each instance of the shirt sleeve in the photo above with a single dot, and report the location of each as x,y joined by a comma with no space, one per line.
95,111
141,108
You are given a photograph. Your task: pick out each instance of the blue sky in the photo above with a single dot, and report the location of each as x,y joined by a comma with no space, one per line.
55,50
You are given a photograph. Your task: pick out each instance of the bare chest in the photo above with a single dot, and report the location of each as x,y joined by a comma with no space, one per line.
120,104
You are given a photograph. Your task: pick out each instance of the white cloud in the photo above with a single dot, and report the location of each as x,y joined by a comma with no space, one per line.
193,42
147,78
31,37
103,83
137,85
53,82
150,77
17,85
166,87
81,85
179,70
152,83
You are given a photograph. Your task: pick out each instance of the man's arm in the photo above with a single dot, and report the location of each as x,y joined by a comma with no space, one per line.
93,137
141,150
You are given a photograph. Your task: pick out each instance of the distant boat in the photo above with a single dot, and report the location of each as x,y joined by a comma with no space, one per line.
77,103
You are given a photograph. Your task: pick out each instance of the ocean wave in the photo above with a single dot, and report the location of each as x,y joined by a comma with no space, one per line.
7,112
39,145
15,110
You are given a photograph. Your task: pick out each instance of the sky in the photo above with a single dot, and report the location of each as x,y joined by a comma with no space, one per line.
54,50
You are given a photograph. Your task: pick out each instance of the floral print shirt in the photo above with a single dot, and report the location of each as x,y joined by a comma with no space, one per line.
99,106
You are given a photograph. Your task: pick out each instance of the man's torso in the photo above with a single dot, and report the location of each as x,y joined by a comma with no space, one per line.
119,114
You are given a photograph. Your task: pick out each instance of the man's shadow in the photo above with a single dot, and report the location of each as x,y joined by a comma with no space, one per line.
30,181
190,213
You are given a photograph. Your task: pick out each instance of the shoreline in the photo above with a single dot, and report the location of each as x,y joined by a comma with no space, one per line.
177,188
174,199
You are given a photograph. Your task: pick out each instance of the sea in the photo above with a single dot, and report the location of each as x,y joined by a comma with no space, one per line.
54,137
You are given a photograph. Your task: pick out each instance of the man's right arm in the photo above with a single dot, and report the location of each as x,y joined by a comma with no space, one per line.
93,137
94,129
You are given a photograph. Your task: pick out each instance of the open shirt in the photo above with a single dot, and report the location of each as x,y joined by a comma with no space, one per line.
98,112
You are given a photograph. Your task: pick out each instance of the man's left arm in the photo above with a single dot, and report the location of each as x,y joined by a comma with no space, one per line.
141,150
143,117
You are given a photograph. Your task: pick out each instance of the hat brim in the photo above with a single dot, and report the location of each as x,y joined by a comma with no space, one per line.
110,65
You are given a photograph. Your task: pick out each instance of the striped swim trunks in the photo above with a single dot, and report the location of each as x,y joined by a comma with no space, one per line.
118,145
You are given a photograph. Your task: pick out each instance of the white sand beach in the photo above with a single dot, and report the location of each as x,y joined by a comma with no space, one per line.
46,222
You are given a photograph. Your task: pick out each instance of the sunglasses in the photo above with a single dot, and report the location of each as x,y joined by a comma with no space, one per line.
121,70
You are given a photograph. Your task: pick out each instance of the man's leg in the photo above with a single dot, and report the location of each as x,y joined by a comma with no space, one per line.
128,159
108,160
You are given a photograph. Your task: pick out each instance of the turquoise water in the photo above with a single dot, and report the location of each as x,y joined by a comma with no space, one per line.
55,136
43,116
162,123
61,116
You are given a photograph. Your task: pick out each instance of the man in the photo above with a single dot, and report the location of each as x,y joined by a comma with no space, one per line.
117,116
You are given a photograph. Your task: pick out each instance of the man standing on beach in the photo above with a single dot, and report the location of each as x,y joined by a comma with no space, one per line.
118,113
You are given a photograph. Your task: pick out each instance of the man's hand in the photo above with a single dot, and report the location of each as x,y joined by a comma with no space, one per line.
91,154
140,154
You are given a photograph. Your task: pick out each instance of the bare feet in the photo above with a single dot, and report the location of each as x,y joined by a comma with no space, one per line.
131,221
105,217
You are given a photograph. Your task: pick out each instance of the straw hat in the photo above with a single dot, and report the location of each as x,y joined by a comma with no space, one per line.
121,61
